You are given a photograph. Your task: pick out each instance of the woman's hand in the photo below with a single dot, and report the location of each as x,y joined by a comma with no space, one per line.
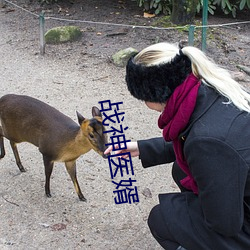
132,147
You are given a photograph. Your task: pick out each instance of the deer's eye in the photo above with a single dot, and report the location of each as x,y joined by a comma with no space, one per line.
91,136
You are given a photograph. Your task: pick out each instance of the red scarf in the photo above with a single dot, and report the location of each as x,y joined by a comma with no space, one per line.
174,119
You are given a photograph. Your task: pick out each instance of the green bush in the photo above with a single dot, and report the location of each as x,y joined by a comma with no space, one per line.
211,7
156,6
227,6
232,6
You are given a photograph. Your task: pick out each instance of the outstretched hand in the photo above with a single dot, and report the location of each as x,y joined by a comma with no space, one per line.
132,147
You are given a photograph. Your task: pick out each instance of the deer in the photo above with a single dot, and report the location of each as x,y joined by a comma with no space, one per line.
58,138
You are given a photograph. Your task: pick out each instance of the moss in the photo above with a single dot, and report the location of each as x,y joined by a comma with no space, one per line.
163,22
63,34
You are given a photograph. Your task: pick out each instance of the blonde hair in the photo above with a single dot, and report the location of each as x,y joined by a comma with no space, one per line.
202,67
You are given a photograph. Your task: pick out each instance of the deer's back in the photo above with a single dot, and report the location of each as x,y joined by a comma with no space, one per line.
24,118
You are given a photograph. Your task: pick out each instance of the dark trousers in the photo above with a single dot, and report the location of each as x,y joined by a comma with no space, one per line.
179,221
156,221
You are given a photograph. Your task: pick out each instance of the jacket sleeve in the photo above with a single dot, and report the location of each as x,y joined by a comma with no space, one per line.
155,151
220,173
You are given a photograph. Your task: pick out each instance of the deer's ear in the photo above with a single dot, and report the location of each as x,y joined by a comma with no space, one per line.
96,112
80,118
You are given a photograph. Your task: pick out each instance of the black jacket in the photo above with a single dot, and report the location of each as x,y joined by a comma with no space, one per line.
216,145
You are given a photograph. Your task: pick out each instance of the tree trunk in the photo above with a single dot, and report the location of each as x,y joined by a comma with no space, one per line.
183,11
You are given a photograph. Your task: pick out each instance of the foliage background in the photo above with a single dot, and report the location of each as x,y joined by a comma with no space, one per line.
164,6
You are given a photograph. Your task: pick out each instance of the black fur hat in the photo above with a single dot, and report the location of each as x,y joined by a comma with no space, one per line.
156,83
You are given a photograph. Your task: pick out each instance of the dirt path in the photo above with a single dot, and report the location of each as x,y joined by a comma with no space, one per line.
70,81
75,77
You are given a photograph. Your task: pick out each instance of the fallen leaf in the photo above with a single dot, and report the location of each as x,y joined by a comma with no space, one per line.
147,15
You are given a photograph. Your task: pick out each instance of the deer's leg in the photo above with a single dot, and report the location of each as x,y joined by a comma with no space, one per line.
1,144
18,161
71,168
48,165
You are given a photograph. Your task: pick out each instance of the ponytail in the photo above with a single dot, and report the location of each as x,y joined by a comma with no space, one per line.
218,78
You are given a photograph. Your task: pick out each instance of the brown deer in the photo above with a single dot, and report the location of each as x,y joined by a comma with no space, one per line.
59,138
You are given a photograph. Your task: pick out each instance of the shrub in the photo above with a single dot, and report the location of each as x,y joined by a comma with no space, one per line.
157,6
165,6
